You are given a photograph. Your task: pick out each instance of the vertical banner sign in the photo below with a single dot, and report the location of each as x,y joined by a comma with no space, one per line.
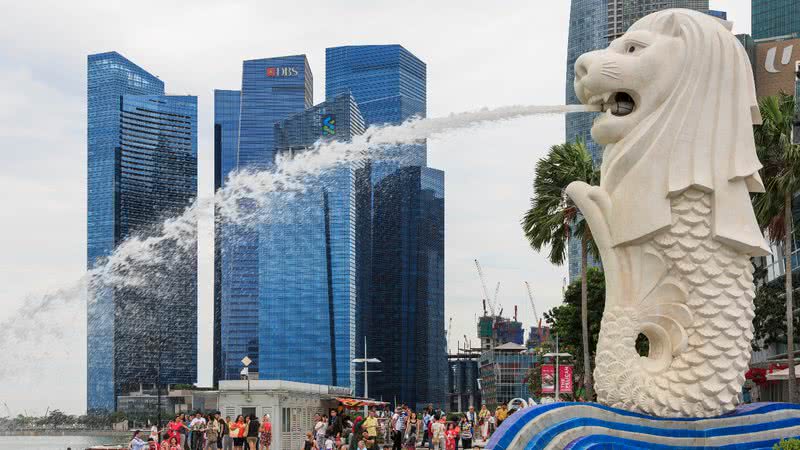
565,379
548,378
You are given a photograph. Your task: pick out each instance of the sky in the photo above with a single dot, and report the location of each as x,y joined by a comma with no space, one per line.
478,54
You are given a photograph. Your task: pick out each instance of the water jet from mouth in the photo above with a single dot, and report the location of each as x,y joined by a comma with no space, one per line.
141,262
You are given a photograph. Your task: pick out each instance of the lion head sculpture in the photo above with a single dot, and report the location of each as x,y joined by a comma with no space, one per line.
679,100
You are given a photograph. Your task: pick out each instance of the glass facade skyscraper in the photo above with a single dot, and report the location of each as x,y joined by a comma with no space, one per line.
272,90
403,315
310,257
774,18
227,105
142,167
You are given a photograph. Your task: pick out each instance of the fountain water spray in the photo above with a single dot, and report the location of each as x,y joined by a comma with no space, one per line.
146,261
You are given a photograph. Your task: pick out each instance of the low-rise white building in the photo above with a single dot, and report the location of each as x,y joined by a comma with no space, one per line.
290,405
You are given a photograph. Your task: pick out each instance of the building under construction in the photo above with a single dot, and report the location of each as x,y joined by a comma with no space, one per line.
497,330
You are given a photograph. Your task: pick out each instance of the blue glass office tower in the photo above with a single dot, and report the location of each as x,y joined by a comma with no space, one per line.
403,315
310,257
142,167
774,18
226,144
272,89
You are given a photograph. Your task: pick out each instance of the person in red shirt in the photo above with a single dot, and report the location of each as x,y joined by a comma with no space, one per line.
450,436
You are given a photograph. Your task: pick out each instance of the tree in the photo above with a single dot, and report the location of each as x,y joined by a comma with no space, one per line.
781,176
565,321
553,218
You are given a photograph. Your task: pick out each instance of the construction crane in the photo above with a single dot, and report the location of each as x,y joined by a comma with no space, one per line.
533,306
535,314
483,285
496,291
449,329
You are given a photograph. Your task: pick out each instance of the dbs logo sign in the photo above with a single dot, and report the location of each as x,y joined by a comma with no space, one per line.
275,72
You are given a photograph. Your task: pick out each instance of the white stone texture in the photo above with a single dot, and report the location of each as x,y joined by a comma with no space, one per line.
672,217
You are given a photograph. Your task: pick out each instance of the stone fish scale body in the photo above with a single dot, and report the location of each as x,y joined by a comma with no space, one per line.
705,375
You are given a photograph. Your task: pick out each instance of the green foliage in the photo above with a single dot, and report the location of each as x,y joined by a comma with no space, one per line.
787,444
781,161
565,319
769,323
552,214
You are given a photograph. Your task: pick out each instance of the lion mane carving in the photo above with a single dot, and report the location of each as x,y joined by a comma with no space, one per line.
672,216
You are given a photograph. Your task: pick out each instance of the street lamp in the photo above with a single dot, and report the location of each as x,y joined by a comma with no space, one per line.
246,361
557,355
366,360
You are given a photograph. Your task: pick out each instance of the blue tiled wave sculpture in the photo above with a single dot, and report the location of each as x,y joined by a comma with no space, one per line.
578,426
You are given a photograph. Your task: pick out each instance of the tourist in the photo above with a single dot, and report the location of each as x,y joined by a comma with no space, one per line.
437,433
310,443
362,445
466,433
266,432
136,442
213,430
154,433
501,414
175,428
411,431
225,442
183,439
237,432
483,422
253,427
426,421
398,428
165,445
492,423
319,430
172,444
329,444
472,417
196,429
370,426
450,436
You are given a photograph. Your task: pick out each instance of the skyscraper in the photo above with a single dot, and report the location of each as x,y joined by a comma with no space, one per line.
272,90
226,144
309,257
403,315
142,167
775,18
592,25
623,13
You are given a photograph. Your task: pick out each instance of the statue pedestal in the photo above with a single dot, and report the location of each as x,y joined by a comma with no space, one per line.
574,426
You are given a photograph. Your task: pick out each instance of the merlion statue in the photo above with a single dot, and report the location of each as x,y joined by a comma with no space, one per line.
672,216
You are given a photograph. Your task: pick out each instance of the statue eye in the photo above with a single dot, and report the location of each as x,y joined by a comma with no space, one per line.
631,49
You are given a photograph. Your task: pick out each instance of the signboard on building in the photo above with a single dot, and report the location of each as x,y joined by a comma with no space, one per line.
776,63
549,379
282,72
328,125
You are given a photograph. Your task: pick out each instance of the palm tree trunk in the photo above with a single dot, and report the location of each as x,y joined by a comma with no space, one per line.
787,254
587,360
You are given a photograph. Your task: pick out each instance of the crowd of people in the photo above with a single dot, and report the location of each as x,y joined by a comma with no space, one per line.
401,429
208,432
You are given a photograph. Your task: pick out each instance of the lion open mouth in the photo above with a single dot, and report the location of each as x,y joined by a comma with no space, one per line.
617,103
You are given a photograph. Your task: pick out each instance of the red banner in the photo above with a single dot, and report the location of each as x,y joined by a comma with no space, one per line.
549,379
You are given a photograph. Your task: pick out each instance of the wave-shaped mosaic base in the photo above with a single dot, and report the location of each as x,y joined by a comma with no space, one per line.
593,426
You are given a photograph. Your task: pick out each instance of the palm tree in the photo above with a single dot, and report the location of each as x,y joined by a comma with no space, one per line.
781,176
553,217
